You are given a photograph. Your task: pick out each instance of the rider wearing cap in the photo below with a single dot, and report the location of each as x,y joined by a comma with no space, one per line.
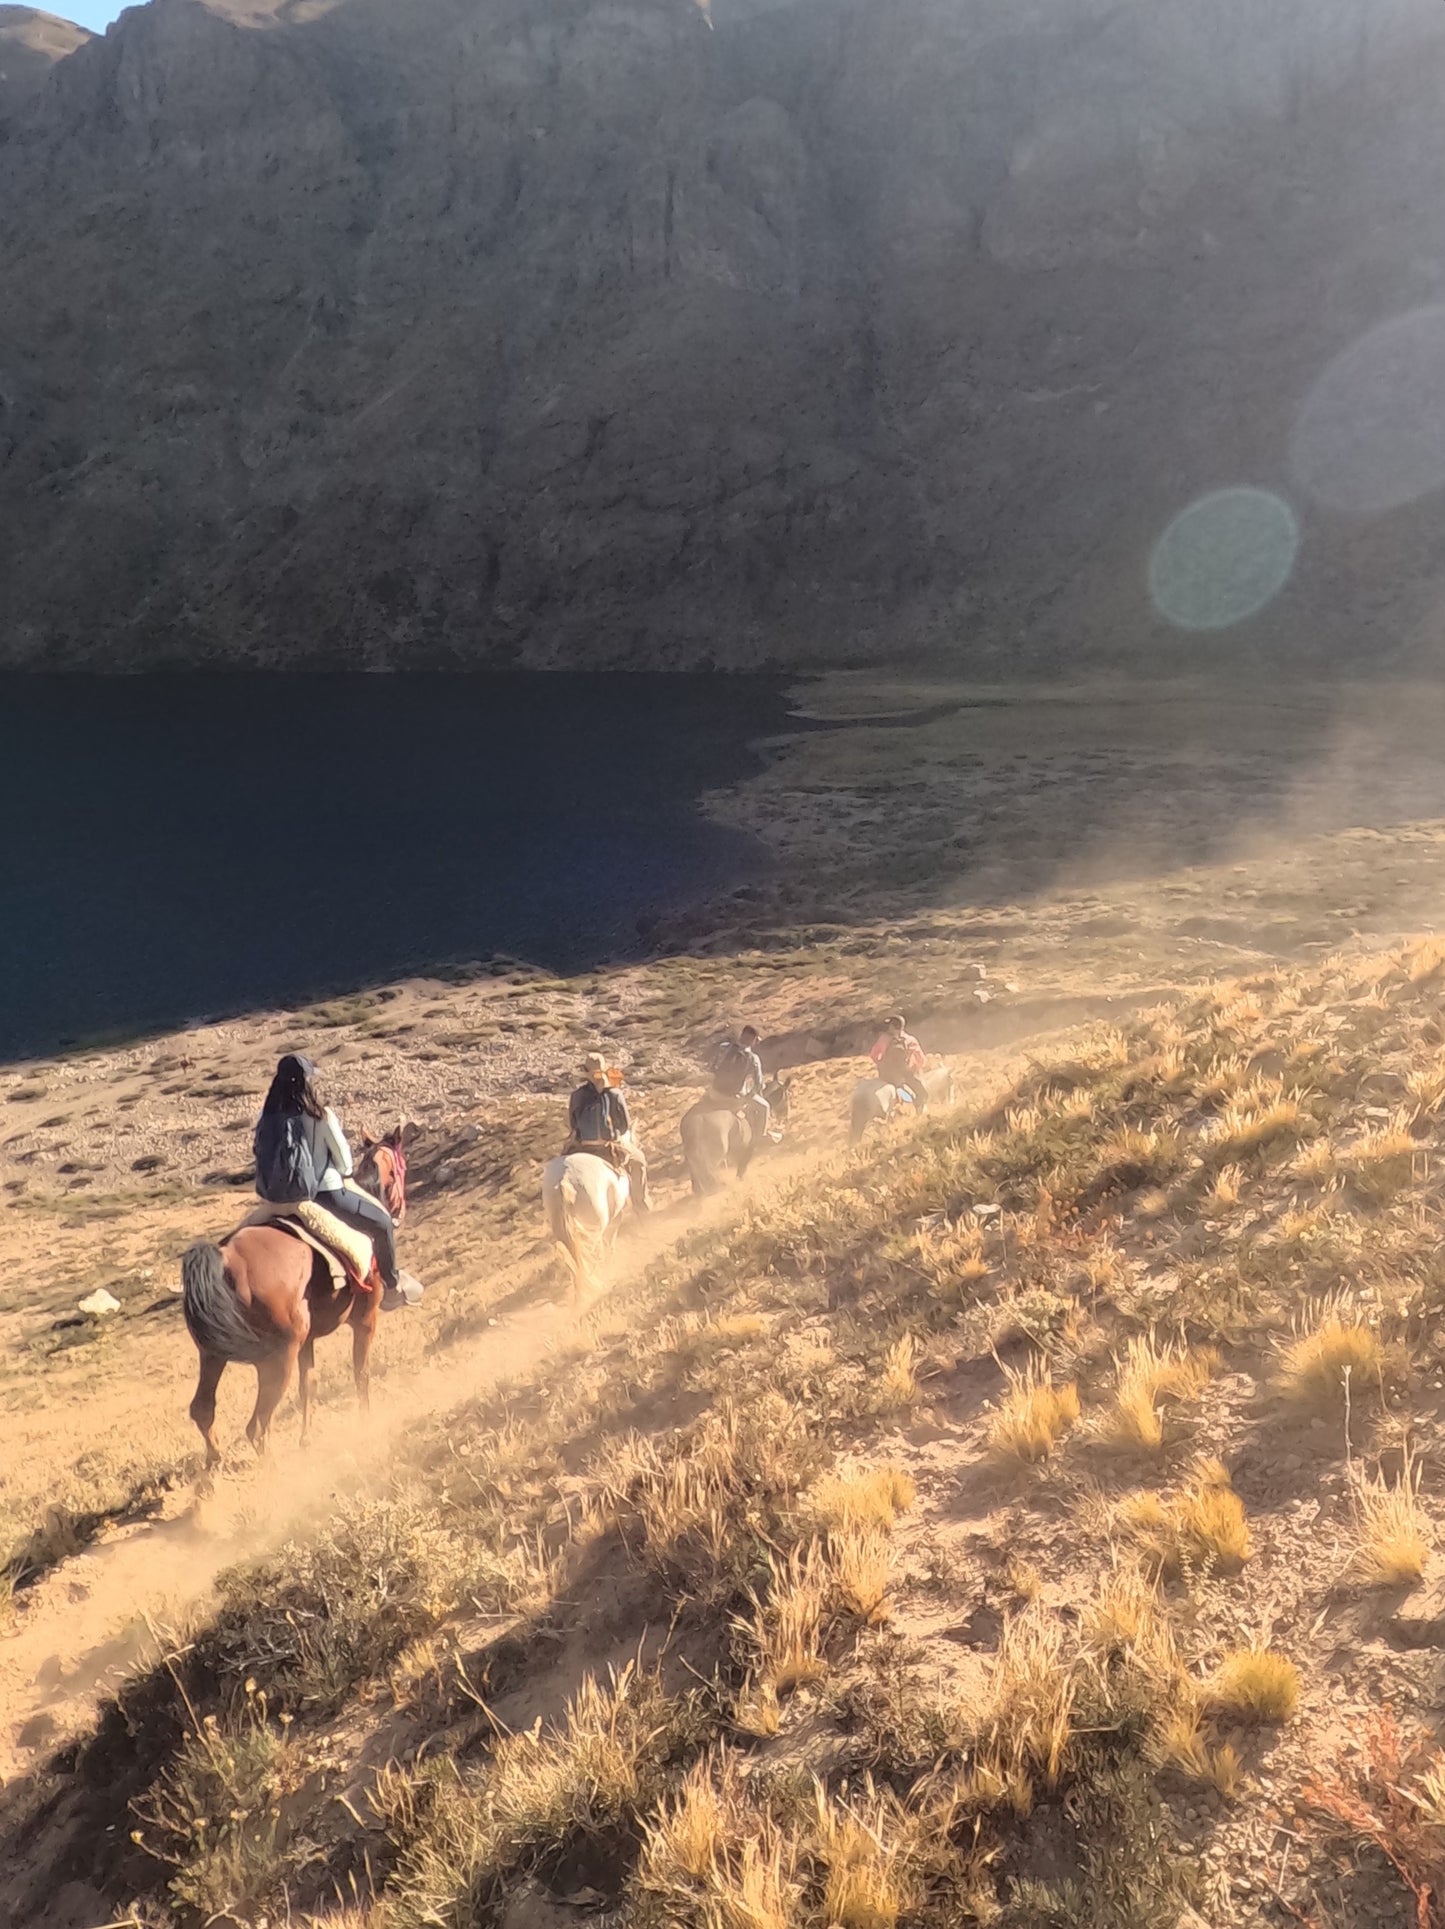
598,1122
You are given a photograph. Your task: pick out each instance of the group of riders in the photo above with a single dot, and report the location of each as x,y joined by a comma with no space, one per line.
302,1152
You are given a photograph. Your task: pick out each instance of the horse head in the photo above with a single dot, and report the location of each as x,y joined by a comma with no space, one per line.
384,1160
776,1093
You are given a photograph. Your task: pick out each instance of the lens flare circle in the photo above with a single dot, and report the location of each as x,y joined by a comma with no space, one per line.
1371,434
1223,558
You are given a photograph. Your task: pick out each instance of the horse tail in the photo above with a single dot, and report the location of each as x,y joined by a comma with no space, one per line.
213,1319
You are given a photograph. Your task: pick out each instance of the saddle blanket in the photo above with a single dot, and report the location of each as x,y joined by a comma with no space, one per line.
345,1250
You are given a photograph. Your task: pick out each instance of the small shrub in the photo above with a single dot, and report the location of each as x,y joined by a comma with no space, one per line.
215,1815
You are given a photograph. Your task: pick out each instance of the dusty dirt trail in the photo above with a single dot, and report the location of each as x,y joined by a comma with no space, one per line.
98,1614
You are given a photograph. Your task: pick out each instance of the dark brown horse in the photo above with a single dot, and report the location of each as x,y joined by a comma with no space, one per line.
263,1301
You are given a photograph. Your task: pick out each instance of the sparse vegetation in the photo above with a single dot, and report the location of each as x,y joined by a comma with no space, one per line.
660,1621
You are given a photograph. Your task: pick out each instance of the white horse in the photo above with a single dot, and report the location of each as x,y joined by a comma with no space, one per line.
584,1197
874,1099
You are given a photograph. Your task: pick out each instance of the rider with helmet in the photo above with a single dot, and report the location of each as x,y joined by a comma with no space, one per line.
598,1122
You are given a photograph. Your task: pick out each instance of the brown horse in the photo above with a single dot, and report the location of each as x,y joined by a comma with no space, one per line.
264,1301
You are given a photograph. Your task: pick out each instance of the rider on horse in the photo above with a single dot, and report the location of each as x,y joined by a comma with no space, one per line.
899,1058
737,1077
598,1122
295,1118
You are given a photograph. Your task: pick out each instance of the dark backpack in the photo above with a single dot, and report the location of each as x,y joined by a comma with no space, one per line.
285,1170
731,1070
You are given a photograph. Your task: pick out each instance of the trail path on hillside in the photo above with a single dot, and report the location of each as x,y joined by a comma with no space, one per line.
98,1614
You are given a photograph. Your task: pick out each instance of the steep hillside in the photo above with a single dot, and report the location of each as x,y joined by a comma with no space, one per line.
1019,1523
654,334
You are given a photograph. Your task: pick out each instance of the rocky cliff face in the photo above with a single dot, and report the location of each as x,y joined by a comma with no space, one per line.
620,332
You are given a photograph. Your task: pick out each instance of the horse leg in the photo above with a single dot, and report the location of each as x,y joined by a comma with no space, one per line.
273,1376
203,1406
363,1328
305,1363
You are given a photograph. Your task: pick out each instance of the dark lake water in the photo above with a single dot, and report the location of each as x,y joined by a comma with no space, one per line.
173,847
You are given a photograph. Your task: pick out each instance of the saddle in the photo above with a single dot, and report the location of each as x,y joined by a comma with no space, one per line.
347,1252
611,1151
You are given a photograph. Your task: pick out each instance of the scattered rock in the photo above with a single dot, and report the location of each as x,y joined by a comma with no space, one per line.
1419,1620
99,1304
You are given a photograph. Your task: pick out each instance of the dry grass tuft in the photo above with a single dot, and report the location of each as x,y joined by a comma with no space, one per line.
548,1784
1225,1191
1422,963
861,1559
1148,1374
1024,1731
1385,1160
1201,1525
1033,1416
758,1887
1333,1346
685,1845
757,1711
786,1630
899,1385
1255,1685
867,1497
1316,1163
1180,1743
1251,1125
1391,1530
863,1849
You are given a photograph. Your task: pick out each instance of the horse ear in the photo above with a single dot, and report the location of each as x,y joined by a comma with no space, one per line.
367,1138
397,1133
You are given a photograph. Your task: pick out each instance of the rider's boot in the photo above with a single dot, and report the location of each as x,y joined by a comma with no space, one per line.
406,1292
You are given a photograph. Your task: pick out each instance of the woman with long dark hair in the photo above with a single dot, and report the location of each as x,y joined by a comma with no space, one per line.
295,1101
